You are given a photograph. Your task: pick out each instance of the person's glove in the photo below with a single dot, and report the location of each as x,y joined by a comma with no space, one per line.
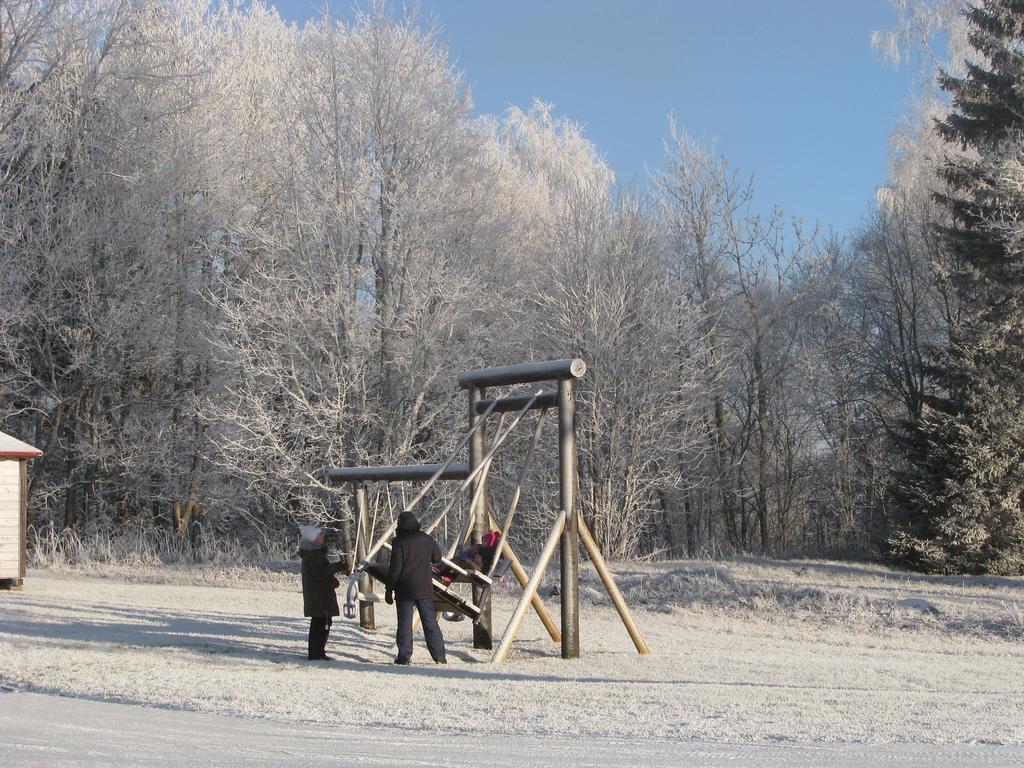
389,597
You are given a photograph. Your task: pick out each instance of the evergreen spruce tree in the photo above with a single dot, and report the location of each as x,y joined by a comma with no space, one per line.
959,501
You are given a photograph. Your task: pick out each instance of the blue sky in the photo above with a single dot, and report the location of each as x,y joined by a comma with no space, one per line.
789,91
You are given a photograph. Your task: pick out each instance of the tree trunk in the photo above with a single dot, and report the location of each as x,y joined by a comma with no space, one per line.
761,497
727,500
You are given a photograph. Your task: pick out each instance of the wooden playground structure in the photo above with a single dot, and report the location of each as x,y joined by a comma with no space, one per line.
567,529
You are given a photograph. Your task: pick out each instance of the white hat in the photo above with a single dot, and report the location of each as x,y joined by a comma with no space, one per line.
309,532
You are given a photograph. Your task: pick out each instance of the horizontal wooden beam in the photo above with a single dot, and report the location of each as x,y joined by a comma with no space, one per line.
508,404
523,373
411,472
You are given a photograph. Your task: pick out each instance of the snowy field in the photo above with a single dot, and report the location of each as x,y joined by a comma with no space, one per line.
796,655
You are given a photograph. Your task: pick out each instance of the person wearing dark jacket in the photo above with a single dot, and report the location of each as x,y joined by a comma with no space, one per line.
410,583
319,600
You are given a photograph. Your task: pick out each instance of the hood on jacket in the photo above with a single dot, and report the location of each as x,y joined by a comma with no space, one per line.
407,522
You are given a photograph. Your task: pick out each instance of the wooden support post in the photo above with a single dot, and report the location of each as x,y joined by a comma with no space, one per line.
530,591
570,537
612,588
366,617
482,637
538,605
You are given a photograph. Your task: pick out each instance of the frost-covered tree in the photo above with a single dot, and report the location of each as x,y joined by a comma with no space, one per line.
961,497
699,197
110,231
370,279
754,280
608,300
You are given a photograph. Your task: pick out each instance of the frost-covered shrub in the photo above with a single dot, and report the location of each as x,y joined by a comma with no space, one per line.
139,545
772,590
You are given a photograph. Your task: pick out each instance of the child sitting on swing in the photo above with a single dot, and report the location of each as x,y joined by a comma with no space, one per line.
477,557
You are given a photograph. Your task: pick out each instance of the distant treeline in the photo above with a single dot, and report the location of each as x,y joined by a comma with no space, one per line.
236,252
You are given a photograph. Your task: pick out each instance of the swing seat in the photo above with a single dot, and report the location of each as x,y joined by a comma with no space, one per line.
445,598
465,575
448,600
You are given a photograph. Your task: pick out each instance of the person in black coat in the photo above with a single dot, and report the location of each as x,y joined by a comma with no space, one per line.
319,600
409,583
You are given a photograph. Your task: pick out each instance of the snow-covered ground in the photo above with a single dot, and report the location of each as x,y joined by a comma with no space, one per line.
802,654
42,731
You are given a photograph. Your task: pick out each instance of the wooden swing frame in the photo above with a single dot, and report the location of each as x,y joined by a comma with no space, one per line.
567,531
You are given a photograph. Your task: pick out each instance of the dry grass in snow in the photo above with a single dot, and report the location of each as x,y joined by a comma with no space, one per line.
744,650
